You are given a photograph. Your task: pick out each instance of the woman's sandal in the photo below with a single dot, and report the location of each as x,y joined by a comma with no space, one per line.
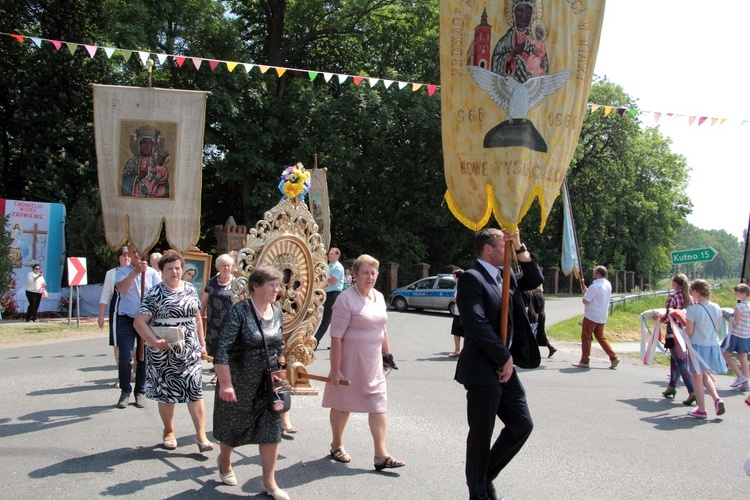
204,446
388,463
340,455
454,354
289,430
169,444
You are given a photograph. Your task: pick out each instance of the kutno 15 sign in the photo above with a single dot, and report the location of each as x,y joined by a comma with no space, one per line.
77,271
693,256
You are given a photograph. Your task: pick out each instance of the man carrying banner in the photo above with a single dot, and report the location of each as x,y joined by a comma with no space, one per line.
485,366
596,309
128,284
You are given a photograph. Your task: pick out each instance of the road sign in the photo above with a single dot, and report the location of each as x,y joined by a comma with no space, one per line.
77,271
693,256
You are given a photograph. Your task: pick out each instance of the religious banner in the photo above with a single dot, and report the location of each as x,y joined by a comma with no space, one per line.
515,79
318,202
149,147
37,231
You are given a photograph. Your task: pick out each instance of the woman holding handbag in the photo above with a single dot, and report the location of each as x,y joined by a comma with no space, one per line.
35,289
173,365
250,341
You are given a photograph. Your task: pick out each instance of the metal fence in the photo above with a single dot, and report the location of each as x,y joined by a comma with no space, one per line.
622,299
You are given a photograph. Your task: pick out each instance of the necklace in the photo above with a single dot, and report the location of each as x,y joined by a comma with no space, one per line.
260,314
365,299
223,283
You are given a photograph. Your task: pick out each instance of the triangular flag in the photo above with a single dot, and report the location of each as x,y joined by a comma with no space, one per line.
722,121
431,89
357,79
110,51
17,37
263,69
656,117
212,63
144,56
691,120
387,83
161,58
72,47
231,66
415,86
633,112
91,49
280,71
670,115
37,41
312,75
56,43
248,67
713,121
342,78
608,110
327,77
373,82
620,111
701,120
743,122
401,85
180,60
126,54
197,62
595,107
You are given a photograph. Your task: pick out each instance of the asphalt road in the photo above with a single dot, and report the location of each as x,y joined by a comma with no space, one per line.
599,433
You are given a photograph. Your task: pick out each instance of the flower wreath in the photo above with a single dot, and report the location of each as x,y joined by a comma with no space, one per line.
295,182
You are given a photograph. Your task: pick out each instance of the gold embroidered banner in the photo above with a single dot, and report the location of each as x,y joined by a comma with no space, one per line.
318,202
149,149
515,79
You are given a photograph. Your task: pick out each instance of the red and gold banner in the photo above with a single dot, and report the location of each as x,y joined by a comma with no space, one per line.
515,79
149,148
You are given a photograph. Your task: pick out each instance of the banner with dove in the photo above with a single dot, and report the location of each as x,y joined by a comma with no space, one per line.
515,80
149,148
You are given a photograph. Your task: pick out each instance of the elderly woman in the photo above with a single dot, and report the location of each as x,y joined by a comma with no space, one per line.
174,375
241,413
359,348
217,299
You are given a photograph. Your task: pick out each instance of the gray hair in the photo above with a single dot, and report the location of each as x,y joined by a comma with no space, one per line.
224,259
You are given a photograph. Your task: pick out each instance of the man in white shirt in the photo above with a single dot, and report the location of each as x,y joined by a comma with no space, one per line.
596,309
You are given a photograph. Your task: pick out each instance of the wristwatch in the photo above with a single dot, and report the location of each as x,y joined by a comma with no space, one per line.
522,249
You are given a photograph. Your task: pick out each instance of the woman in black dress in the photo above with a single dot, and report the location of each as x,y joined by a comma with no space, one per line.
241,415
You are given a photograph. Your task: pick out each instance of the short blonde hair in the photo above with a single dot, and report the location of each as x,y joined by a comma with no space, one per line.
365,259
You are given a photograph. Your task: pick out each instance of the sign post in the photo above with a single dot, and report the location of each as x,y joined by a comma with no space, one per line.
694,256
77,275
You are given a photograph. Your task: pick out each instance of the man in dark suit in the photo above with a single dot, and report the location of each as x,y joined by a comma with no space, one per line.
485,366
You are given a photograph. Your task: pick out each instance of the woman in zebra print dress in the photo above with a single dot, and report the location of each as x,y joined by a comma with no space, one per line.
172,379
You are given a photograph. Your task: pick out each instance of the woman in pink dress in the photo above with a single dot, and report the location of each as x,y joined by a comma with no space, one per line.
359,348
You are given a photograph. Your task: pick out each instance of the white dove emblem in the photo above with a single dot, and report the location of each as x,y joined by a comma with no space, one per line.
516,97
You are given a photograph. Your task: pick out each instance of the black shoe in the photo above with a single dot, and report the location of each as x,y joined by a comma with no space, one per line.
552,352
492,493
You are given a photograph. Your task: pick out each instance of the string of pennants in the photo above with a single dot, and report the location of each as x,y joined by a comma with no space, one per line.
312,75
214,63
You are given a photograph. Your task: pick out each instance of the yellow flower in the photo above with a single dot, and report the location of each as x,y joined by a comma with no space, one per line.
292,189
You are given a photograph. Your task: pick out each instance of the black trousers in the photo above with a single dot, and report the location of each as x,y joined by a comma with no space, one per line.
485,403
34,300
327,313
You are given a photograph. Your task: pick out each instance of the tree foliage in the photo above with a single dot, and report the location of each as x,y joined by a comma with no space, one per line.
382,147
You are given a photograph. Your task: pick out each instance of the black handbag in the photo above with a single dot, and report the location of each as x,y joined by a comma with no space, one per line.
275,384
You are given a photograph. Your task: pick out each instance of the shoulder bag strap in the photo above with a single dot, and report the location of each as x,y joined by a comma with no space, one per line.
260,329
710,317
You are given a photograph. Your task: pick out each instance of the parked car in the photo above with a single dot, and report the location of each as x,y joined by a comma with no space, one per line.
436,292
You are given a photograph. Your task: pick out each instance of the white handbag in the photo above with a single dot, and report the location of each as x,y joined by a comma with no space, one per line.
175,337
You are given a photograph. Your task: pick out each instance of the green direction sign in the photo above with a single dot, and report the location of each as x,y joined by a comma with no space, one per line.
693,256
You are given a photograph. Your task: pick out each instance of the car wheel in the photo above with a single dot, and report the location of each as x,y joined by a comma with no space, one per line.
453,308
399,304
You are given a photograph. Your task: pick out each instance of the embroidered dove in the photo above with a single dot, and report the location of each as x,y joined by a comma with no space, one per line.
516,97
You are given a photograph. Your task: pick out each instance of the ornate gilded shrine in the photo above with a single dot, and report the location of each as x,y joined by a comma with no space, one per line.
287,238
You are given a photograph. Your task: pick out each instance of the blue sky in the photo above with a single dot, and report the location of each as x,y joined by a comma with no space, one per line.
690,57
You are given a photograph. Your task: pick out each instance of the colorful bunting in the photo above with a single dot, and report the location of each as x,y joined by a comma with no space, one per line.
342,78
